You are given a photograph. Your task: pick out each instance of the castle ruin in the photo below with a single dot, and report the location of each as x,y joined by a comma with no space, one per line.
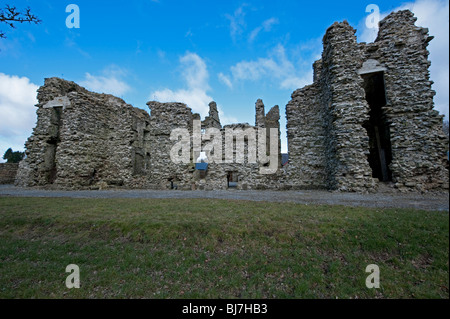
368,118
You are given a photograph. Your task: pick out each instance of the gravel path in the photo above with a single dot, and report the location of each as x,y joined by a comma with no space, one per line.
382,199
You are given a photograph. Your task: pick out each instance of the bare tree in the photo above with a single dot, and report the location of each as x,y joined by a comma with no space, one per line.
11,15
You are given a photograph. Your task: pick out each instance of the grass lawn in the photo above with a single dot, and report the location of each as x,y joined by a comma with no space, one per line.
197,248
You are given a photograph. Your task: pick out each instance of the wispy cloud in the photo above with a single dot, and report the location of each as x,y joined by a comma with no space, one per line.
238,25
138,47
266,26
71,43
277,67
225,80
237,22
161,54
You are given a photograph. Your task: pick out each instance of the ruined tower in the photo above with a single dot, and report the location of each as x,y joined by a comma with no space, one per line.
368,117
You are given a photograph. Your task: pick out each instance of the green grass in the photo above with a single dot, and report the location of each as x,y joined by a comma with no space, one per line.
195,248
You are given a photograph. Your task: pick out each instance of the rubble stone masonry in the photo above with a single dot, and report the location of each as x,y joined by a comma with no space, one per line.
8,172
368,116
367,119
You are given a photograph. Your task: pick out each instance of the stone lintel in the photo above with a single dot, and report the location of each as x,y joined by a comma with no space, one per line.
60,101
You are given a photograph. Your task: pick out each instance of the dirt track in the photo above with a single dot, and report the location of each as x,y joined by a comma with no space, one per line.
384,199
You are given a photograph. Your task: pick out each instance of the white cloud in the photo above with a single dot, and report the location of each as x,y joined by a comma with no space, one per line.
196,99
432,14
435,16
295,82
195,72
196,76
18,112
276,67
110,81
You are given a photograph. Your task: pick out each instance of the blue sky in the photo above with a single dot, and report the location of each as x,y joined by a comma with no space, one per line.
232,52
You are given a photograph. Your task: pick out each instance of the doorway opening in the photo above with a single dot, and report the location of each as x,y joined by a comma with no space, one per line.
232,179
377,127
52,145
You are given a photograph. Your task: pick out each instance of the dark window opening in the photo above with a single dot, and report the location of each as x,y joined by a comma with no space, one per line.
380,156
232,179
173,183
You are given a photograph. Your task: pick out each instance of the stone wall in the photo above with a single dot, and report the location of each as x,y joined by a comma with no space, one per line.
418,143
306,140
84,140
8,172
325,120
165,117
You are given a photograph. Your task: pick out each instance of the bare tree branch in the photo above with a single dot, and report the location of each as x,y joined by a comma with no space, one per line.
10,15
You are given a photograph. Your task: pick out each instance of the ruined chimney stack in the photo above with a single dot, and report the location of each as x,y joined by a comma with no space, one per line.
212,120
260,117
